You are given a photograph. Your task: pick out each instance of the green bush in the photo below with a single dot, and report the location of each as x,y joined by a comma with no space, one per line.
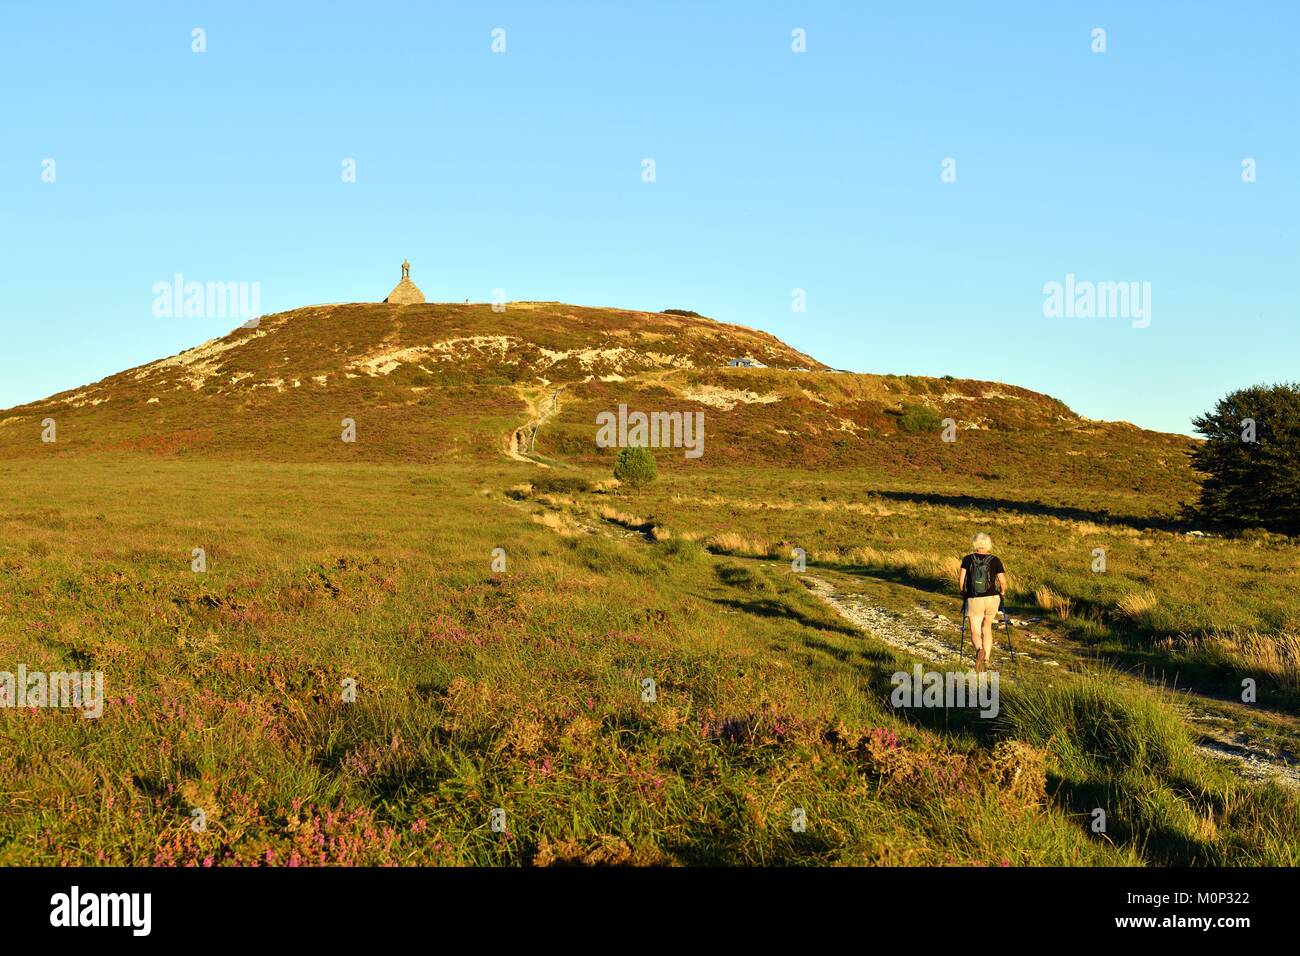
685,551
739,576
560,485
635,466
919,418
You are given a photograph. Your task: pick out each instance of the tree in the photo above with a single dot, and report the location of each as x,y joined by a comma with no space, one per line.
635,466
1251,460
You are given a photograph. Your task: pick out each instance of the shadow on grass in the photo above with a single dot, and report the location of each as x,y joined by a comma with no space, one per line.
1157,841
894,576
764,607
704,845
1064,512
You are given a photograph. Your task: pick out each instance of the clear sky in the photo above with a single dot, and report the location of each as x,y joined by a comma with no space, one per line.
774,171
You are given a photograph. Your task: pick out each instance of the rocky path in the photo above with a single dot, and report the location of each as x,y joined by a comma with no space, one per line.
883,624
932,636
936,640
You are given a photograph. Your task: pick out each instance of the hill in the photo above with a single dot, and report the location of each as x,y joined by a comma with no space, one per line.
446,381
200,535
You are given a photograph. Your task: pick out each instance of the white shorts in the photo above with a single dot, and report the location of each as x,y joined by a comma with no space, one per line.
978,608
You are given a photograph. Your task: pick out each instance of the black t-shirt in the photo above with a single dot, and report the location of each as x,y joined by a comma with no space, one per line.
995,568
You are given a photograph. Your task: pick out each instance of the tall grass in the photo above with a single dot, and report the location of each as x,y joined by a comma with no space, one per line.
479,689
1123,758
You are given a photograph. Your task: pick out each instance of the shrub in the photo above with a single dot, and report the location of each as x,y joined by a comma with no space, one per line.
682,550
739,576
635,466
1138,606
560,485
728,542
686,312
919,418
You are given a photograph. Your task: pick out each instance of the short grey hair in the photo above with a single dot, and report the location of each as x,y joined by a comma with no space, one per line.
982,542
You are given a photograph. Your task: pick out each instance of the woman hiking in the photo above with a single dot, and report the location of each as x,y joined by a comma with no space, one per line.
982,581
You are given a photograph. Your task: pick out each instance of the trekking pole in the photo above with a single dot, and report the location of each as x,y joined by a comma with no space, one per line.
961,638
1006,623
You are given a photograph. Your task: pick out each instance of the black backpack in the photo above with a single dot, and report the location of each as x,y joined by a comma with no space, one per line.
980,580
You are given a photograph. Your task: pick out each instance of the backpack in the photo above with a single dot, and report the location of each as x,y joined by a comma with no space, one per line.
979,581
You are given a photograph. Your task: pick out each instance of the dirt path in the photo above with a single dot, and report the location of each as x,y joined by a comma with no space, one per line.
931,636
521,443
936,640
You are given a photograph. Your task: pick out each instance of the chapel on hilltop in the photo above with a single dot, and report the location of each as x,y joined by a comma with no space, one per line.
405,292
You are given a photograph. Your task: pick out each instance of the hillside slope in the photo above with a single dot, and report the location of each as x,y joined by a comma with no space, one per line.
444,381
421,382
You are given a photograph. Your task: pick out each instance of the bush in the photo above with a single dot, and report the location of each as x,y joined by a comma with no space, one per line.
1251,483
1094,727
688,552
635,466
919,418
739,576
686,312
560,485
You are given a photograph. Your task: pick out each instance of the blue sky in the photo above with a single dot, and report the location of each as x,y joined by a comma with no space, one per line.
775,170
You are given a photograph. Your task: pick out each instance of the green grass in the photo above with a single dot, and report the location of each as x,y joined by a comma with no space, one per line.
1221,609
333,562
1125,753
518,690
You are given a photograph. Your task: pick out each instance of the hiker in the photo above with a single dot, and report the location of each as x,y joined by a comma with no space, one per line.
982,581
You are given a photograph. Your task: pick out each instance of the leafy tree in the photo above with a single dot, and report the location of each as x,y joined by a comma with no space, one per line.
1251,460
635,466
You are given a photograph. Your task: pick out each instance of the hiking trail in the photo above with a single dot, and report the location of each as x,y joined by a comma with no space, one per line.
1213,732
1216,729
521,444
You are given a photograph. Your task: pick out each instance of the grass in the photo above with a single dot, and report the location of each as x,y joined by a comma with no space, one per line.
1128,755
370,565
475,690
1211,611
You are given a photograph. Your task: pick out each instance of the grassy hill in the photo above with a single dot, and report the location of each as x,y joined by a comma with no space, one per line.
444,382
422,382
482,688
